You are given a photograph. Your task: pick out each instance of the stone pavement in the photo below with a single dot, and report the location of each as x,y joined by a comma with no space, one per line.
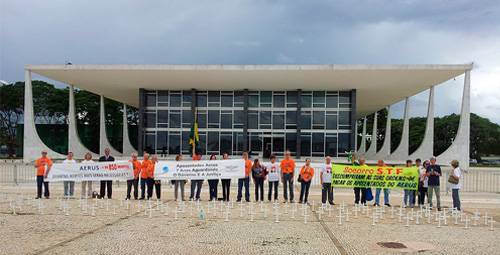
151,231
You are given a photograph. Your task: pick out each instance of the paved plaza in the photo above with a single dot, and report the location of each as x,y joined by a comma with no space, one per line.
90,226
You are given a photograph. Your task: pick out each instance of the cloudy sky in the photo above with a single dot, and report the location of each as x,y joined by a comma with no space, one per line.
264,32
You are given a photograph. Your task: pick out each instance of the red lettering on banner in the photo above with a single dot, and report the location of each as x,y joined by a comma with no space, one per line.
389,170
399,171
379,171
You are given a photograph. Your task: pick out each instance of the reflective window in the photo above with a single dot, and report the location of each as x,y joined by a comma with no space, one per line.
344,117
175,120
175,100
202,100
226,121
265,98
150,119
278,143
265,117
291,142
318,143
306,101
279,101
256,142
202,120
161,140
149,143
318,117
174,144
306,120
151,100
253,100
185,141
331,146
253,120
186,116
226,144
227,101
239,96
291,117
343,145
213,142
186,98
213,116
278,121
162,116
332,102
305,144
331,122
163,96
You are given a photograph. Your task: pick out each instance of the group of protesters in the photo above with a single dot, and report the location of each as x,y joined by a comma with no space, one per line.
428,182
429,174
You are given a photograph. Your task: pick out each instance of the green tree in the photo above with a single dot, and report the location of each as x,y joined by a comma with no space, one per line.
11,110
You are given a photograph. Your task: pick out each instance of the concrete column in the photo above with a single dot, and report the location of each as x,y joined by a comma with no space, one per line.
459,149
373,146
426,148
362,148
75,145
298,146
128,149
140,137
401,152
245,120
386,147
32,144
103,137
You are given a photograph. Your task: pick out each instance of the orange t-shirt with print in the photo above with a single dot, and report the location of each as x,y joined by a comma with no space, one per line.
144,168
41,169
248,168
307,173
151,169
137,167
287,165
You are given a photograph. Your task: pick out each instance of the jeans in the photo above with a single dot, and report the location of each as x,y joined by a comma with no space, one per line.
386,196
421,195
71,185
151,183
144,181
327,191
39,181
287,180
245,181
409,195
456,199
357,192
109,185
431,190
304,189
271,184
226,185
178,183
212,186
87,185
130,183
259,185
196,184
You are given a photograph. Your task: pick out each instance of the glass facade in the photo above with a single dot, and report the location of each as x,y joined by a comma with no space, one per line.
274,120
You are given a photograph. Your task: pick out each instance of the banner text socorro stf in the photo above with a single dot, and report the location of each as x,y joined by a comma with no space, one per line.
375,177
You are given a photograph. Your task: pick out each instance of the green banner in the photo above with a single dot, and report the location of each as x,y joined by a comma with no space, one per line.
375,177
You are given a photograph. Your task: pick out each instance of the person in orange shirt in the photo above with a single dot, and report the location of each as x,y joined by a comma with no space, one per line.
151,179
246,180
144,174
287,172
307,172
136,164
386,191
196,183
43,166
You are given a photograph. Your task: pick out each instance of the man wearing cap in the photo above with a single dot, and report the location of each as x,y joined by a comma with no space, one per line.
433,173
42,165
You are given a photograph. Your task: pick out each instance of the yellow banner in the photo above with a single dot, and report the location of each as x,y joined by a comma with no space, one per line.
375,177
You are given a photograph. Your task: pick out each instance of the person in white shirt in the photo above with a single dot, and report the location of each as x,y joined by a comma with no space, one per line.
422,181
326,181
71,184
273,176
457,174
87,184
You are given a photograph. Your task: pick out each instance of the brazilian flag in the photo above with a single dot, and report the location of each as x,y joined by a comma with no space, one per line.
194,140
349,157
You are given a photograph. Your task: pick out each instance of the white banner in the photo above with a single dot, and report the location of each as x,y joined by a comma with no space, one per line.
105,171
198,170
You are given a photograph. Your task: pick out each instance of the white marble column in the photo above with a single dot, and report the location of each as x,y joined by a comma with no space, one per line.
401,152
103,137
426,148
373,146
75,145
459,149
128,149
362,147
32,144
386,147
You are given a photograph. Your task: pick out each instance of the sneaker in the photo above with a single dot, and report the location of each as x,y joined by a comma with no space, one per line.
71,197
388,205
65,197
376,204
247,200
276,200
183,199
300,201
239,200
37,197
439,209
47,197
286,201
332,203
292,201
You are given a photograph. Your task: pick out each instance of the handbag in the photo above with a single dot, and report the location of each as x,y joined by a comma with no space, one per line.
453,180
369,195
299,179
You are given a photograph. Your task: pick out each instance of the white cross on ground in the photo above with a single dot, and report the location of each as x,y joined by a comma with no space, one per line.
340,216
347,213
466,221
407,218
392,210
241,209
485,216
491,221
277,214
227,213
114,207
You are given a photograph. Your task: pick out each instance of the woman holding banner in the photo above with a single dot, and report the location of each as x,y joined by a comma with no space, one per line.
409,193
273,178
178,183
87,184
226,184
151,179
305,177
212,184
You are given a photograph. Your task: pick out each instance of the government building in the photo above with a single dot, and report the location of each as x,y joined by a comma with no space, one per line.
310,110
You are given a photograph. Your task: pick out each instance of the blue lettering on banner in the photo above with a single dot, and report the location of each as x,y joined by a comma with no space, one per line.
89,168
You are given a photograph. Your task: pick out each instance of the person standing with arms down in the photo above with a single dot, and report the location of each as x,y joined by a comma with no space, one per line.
108,184
246,180
178,183
273,178
287,172
212,184
357,191
455,173
42,166
144,175
258,176
87,185
422,181
433,173
69,184
136,165
386,191
226,184
326,181
307,172
196,183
